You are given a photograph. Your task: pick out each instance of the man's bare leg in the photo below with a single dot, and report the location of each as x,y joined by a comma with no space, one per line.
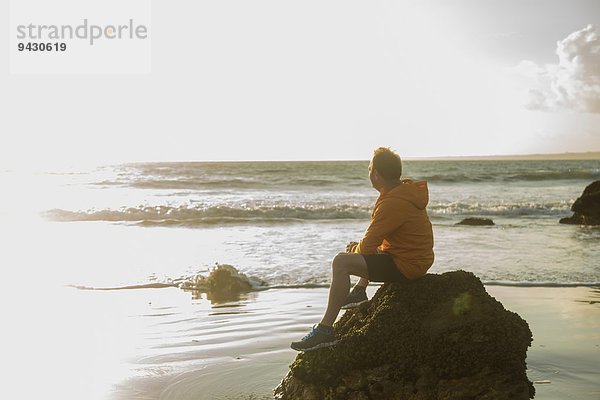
362,282
342,266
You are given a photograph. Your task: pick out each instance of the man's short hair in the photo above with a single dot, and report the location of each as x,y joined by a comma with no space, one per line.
387,163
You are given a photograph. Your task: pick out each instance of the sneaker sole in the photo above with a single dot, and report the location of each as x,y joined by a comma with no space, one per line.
319,346
353,305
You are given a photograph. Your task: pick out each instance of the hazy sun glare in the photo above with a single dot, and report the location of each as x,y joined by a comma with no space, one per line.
273,81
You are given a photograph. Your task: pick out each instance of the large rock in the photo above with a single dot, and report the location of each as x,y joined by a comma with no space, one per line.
586,208
439,337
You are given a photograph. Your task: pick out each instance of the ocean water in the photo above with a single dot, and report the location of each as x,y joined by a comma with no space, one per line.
283,222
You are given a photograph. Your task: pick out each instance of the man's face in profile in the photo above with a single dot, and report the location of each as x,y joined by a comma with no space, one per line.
373,177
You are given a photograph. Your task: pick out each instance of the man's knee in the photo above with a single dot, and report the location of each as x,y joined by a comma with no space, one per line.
345,262
340,262
349,264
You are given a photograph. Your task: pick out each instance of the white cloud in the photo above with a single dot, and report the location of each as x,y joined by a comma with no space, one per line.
573,83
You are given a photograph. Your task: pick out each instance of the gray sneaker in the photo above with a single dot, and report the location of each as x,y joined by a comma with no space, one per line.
357,296
317,338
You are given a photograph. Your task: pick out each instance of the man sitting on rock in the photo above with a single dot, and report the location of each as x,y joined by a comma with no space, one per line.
397,245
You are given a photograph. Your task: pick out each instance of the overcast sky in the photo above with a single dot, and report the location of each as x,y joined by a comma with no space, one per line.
263,80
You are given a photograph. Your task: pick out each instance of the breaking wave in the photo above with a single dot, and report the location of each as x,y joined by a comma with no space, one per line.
189,216
210,215
502,209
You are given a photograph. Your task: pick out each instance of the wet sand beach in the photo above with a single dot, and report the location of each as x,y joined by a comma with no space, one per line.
165,344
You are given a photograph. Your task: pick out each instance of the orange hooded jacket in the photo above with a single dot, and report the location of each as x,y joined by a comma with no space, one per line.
401,228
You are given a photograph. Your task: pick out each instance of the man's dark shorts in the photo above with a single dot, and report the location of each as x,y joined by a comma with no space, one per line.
381,268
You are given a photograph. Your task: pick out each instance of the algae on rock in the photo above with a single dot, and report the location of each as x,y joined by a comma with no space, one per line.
439,337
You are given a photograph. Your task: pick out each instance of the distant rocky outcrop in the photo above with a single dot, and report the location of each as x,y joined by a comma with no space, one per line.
586,209
439,337
474,221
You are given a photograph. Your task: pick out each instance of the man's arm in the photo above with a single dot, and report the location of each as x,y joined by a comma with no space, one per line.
386,219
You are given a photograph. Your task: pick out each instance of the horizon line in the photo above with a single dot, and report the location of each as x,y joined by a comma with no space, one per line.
588,155
565,156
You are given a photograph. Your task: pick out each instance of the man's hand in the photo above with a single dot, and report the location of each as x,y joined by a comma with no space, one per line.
351,246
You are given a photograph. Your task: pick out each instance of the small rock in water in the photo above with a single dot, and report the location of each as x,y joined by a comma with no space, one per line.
472,221
223,283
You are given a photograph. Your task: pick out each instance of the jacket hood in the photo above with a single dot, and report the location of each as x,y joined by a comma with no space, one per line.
415,192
